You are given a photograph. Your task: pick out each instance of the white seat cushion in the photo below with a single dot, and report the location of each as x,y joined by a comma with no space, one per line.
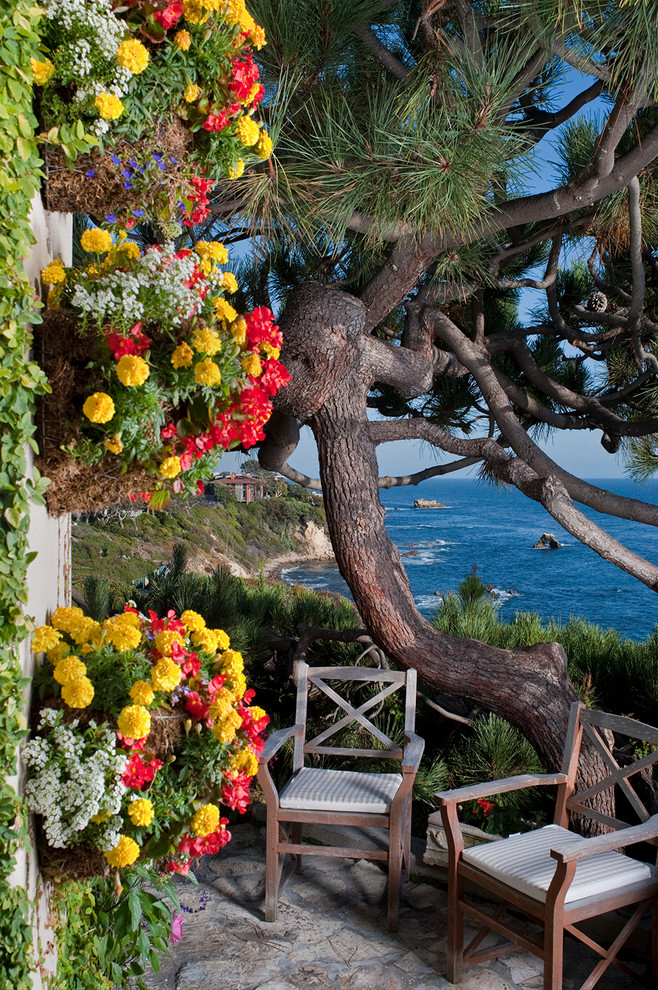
313,789
524,862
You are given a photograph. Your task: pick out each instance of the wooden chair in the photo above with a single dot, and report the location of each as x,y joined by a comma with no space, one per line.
553,875
343,797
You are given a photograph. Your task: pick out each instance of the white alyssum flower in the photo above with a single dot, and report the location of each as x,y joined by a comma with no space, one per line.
74,775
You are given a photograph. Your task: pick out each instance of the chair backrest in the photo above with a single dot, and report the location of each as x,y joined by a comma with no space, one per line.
341,685
626,748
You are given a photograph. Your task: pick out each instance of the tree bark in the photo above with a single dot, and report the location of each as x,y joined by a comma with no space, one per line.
333,367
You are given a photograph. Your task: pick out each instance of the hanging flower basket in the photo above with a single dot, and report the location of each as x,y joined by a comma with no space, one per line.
148,731
152,373
147,105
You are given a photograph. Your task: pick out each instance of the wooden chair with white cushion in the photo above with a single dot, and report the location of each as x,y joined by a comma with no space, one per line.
321,795
555,876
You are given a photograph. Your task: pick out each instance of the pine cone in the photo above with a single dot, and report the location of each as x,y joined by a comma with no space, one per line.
597,302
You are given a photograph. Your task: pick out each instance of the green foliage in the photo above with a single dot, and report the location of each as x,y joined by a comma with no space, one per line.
495,749
109,937
20,381
607,671
122,547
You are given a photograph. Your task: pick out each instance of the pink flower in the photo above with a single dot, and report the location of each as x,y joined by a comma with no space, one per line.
176,933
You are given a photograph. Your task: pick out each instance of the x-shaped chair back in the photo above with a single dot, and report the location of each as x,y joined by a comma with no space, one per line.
554,875
348,798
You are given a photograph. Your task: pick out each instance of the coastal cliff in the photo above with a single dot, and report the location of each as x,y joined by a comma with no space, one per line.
125,544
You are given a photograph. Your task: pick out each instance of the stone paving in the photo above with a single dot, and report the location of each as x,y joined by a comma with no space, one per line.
330,932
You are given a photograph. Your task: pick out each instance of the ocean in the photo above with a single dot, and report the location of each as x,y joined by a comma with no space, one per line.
495,529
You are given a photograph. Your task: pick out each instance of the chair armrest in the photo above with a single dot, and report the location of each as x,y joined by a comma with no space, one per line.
276,741
489,788
607,843
413,752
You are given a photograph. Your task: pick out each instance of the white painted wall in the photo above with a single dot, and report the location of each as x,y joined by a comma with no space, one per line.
48,578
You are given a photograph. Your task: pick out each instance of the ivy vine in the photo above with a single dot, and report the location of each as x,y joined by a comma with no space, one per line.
20,381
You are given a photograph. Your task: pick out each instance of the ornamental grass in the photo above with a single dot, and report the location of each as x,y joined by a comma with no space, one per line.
152,373
125,770
147,105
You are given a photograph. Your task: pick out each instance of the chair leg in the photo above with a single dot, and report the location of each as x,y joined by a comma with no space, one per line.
553,956
394,870
272,873
455,959
406,851
296,837
654,945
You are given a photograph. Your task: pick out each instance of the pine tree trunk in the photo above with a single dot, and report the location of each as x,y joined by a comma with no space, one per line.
333,366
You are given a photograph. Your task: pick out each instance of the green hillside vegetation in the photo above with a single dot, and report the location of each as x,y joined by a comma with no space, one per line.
124,545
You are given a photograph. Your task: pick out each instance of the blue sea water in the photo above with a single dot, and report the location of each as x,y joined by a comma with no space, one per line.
495,529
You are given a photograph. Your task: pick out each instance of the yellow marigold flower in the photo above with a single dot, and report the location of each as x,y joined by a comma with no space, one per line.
45,638
58,653
134,722
129,250
234,11
264,145
170,467
96,241
212,249
258,38
182,40
257,713
247,131
232,659
205,639
251,364
132,55
141,693
125,853
206,341
78,692
236,169
101,817
69,667
109,106
114,445
132,370
141,811
42,70
54,298
229,282
224,310
247,23
192,620
205,820
224,731
238,682
166,675
122,635
165,640
245,761
206,372
194,11
99,407
191,92
239,331
223,641
182,356
86,630
269,350
53,273
65,617
221,705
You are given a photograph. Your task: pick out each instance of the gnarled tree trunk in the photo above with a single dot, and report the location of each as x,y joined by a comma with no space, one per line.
333,364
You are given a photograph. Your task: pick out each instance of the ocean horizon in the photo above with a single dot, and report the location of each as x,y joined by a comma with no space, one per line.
494,529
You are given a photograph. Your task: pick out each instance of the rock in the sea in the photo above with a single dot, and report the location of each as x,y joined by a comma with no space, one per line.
410,553
547,542
428,503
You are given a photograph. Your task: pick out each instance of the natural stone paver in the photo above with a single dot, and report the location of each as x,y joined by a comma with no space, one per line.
330,933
